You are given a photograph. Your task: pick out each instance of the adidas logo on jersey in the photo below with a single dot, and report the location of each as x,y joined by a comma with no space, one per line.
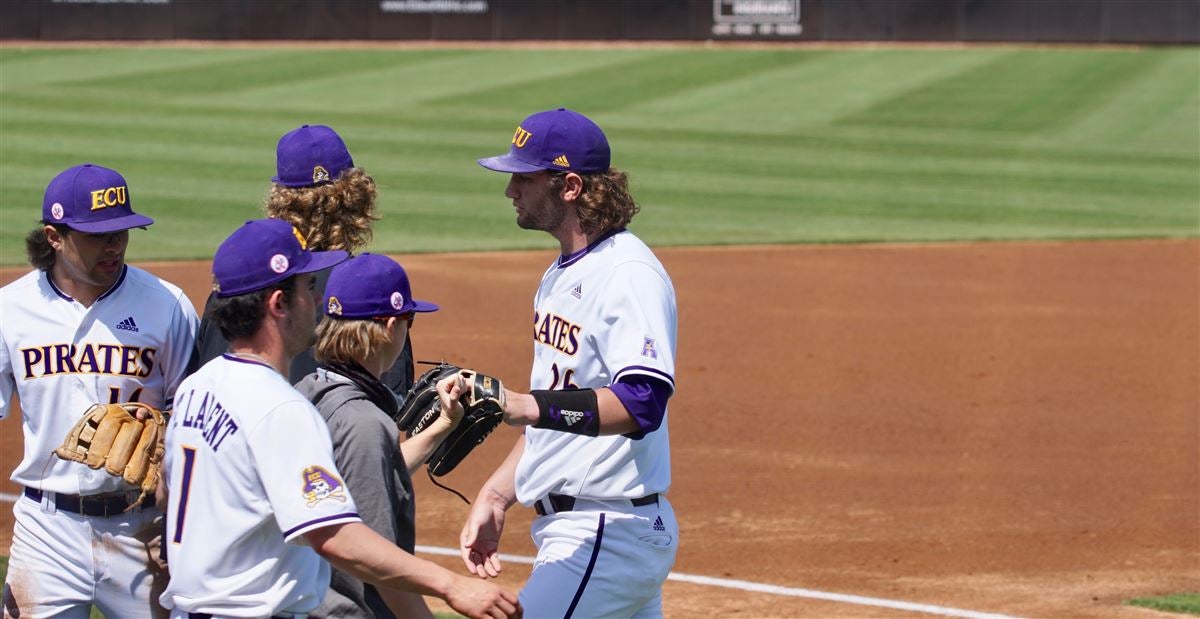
572,416
658,524
128,325
561,161
577,291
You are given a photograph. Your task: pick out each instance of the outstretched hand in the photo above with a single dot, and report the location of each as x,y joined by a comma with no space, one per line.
480,539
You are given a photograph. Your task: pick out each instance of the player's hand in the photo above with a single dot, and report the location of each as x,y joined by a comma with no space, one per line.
482,600
480,539
449,390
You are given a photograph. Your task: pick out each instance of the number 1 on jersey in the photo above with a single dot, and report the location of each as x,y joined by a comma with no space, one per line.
189,461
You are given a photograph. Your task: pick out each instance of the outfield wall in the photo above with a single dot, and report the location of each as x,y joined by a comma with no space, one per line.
1050,21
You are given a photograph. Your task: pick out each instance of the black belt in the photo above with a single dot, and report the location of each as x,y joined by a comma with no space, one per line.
564,503
102,505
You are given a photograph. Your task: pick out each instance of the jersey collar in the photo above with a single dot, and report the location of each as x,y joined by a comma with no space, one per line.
567,260
107,293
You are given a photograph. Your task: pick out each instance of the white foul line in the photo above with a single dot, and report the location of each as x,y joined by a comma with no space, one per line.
745,585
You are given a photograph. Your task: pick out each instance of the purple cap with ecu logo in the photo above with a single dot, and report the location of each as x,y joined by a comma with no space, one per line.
91,199
554,140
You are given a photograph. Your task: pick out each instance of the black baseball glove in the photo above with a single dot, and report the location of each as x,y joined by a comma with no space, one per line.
483,409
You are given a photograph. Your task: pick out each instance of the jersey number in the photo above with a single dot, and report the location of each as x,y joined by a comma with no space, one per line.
189,461
114,395
567,374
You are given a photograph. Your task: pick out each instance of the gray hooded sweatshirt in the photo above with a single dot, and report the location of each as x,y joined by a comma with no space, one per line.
367,453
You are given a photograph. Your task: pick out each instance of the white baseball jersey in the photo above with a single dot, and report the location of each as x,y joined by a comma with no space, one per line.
600,314
249,469
132,344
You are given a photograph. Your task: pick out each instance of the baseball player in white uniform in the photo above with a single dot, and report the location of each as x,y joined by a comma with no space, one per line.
256,503
84,328
595,463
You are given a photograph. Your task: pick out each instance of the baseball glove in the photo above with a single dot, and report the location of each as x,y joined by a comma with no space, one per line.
112,437
483,409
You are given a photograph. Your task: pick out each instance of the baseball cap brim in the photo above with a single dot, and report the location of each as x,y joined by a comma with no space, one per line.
115,224
423,306
321,260
508,163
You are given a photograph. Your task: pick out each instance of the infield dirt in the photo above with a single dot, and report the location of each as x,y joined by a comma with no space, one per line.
1010,428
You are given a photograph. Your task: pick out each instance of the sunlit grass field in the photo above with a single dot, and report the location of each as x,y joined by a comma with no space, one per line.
724,146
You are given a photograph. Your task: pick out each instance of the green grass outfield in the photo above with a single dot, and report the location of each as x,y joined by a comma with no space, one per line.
725,146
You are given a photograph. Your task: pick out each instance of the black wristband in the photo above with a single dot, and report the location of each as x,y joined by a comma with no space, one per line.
568,410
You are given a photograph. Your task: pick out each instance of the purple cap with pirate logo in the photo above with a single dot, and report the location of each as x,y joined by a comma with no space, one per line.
554,140
310,155
264,252
370,286
92,199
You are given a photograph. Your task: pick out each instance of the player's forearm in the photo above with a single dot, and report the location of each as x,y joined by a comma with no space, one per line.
501,487
417,448
357,550
523,410
405,604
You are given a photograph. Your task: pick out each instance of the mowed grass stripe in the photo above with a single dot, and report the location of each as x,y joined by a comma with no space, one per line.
1022,91
723,146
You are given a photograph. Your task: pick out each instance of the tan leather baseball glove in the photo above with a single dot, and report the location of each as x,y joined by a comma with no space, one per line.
112,436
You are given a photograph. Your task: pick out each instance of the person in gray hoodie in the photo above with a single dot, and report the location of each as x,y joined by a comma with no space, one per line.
368,311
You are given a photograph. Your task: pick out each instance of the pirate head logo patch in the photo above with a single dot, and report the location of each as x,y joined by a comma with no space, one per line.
334,307
320,484
321,175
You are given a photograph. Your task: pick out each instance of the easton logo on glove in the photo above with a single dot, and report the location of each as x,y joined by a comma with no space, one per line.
483,409
111,436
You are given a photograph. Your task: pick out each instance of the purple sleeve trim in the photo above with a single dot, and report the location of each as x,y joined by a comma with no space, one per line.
645,397
621,375
349,516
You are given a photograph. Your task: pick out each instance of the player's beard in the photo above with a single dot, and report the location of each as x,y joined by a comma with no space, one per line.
547,215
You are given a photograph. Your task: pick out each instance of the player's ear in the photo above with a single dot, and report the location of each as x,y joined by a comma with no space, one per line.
572,187
277,302
53,236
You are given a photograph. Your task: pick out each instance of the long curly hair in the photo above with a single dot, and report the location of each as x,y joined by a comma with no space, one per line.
605,203
336,215
38,249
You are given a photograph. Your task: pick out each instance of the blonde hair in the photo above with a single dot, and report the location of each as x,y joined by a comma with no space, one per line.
605,203
336,215
342,341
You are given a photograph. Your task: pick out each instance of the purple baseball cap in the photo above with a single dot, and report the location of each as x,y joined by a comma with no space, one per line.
92,199
554,140
370,286
310,155
264,252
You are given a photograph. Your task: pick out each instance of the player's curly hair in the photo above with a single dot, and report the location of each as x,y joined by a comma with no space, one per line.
345,341
38,249
336,215
240,316
605,203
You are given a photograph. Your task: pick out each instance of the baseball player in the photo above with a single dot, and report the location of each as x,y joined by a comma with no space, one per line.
317,189
84,328
256,500
595,461
369,308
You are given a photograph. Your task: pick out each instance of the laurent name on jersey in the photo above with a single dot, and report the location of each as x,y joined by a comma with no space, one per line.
209,417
